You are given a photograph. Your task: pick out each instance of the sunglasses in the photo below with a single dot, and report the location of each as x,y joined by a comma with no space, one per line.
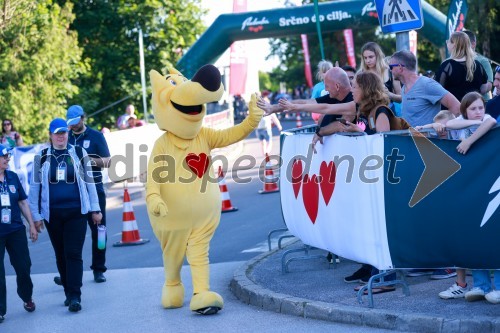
391,66
5,124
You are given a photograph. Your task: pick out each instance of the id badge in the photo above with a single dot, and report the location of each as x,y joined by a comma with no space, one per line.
61,172
5,198
5,216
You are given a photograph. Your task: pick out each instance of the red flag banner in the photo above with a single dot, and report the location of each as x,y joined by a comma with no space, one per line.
238,54
307,61
413,42
349,47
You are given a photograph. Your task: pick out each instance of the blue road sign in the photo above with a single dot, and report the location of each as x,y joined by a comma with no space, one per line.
399,15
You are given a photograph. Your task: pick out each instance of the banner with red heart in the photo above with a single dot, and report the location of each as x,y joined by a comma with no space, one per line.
330,206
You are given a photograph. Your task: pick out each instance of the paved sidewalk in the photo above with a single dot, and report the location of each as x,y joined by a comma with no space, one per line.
314,289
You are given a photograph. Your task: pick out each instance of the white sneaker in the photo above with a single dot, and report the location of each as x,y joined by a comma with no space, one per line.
475,294
493,296
455,291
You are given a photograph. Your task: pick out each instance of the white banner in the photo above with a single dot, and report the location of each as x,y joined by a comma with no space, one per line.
130,150
338,202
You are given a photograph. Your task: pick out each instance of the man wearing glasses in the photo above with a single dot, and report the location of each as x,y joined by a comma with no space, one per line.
422,97
493,105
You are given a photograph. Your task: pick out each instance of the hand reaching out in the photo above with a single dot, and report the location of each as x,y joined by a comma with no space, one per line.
286,105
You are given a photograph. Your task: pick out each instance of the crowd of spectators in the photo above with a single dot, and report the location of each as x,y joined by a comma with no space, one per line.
455,102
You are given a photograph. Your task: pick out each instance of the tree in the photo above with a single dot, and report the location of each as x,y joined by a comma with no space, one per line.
39,57
108,33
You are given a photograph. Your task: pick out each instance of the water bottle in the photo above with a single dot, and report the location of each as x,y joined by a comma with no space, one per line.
101,237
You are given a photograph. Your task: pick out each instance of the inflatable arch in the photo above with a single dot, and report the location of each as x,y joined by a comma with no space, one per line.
337,15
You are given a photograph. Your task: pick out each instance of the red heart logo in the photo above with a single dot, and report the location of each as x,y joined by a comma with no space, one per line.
296,176
198,163
327,183
310,196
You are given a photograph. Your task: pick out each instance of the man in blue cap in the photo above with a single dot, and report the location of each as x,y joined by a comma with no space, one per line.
95,144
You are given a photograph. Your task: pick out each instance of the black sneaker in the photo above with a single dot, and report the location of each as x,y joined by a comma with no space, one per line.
66,302
30,306
361,275
57,280
329,257
74,305
99,277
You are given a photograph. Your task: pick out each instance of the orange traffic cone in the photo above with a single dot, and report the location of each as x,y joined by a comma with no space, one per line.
298,122
224,193
130,233
270,183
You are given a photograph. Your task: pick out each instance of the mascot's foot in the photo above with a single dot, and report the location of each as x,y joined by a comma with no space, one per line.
207,303
172,296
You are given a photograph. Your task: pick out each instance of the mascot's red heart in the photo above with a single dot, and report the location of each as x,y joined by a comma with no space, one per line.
296,176
198,163
310,196
327,183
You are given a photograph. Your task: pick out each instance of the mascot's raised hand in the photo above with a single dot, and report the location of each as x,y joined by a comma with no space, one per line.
253,109
179,174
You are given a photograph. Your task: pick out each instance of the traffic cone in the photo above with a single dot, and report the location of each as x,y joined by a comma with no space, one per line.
224,193
130,233
298,122
270,183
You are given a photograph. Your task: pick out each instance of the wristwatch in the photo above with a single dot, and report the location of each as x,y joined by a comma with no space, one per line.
96,212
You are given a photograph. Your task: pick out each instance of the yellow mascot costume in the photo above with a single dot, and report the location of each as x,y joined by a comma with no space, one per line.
184,207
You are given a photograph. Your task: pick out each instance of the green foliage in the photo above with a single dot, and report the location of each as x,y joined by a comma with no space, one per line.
108,33
39,58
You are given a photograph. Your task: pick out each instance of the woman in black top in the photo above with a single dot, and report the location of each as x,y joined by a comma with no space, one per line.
369,94
461,74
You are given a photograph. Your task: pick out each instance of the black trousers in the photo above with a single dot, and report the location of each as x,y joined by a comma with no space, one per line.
16,244
67,230
98,256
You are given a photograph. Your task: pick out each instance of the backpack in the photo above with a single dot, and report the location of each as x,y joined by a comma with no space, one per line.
396,123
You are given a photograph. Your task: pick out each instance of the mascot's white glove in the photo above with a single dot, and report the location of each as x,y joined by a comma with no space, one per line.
157,206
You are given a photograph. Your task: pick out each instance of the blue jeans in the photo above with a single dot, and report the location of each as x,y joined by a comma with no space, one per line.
481,279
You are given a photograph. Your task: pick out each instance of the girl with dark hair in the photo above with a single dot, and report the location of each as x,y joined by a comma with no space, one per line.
10,137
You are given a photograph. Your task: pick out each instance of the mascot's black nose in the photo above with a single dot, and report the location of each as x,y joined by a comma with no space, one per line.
209,77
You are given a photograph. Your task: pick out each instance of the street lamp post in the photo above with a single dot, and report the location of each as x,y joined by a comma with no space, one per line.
143,76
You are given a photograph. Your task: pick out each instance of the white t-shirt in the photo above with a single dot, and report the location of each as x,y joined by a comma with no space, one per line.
464,133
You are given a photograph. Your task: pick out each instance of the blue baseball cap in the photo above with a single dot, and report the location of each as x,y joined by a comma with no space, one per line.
4,150
58,125
74,114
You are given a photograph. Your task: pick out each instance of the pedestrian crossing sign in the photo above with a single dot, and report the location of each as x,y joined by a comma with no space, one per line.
399,15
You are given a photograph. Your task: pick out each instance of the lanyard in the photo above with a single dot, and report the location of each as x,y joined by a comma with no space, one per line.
5,186
4,194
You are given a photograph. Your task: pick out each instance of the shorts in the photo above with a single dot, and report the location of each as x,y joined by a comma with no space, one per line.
262,134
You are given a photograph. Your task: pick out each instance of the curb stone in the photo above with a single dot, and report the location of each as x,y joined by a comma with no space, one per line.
249,292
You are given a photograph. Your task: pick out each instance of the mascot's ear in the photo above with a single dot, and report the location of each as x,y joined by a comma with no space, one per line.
157,80
172,70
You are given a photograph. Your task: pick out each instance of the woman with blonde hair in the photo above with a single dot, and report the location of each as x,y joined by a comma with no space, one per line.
461,74
373,60
319,88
